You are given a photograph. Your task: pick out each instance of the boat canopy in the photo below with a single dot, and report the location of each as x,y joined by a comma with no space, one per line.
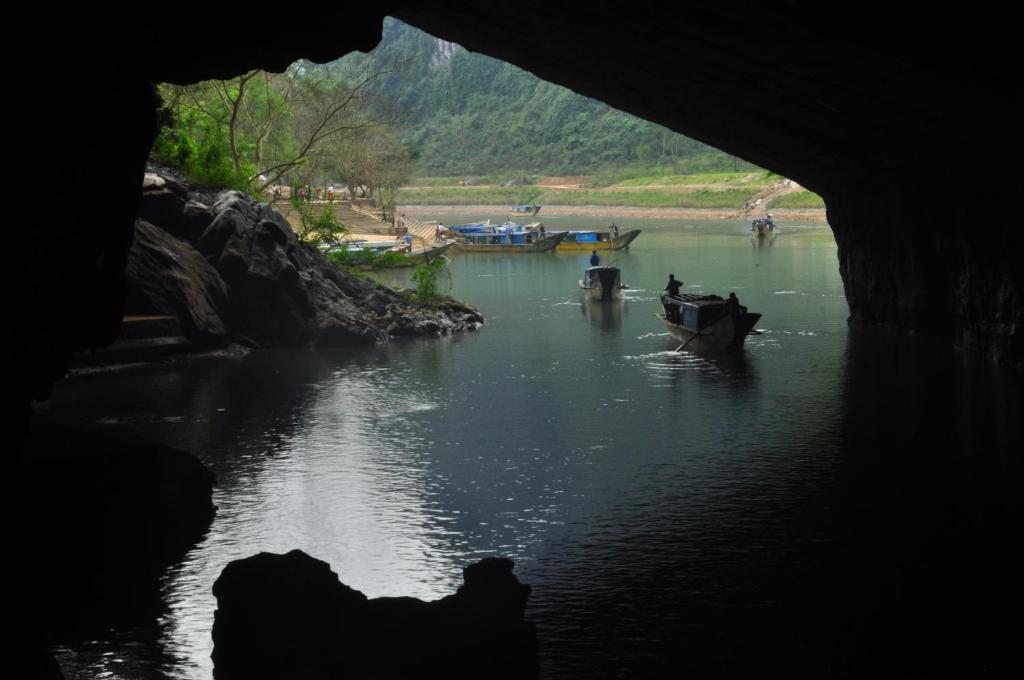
694,312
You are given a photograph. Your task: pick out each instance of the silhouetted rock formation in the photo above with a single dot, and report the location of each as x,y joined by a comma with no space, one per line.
169,276
236,269
288,616
110,513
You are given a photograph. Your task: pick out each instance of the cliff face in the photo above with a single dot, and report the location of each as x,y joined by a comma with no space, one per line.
235,270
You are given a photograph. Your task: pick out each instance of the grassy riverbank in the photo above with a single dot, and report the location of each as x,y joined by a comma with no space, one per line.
723,190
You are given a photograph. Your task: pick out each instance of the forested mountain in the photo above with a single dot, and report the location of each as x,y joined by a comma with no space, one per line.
463,113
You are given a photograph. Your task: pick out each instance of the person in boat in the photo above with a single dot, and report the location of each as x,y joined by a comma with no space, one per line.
615,230
770,222
732,304
541,230
673,286
439,232
595,259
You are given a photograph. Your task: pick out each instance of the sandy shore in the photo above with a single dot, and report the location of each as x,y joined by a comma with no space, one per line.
812,214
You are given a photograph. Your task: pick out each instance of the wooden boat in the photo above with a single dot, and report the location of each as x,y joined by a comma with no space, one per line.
586,241
526,209
508,242
416,257
602,283
706,321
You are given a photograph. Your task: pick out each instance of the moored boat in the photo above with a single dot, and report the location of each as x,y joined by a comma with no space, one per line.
526,209
508,242
706,321
412,259
587,241
602,283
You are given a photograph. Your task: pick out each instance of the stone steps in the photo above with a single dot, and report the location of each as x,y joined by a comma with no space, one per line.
143,339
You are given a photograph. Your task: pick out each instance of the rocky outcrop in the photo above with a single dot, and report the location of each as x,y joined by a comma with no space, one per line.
235,269
168,276
288,616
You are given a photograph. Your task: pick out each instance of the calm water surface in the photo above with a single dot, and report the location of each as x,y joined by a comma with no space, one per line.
782,511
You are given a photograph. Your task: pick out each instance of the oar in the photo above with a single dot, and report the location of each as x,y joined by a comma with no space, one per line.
683,346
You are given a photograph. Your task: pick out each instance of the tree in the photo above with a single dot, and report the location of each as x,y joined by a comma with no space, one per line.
269,125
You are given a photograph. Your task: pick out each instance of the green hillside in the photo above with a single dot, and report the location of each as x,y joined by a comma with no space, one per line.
467,114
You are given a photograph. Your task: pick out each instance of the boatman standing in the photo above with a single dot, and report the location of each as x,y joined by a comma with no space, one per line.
673,286
594,259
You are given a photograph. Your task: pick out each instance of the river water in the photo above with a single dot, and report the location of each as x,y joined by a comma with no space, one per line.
826,503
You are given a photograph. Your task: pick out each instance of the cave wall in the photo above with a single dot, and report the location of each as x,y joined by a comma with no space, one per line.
896,120
901,118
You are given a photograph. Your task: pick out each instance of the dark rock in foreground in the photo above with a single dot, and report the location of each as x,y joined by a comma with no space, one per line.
110,513
288,616
235,270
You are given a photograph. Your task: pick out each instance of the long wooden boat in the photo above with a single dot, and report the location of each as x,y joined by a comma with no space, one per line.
525,209
412,259
602,284
521,242
706,321
587,241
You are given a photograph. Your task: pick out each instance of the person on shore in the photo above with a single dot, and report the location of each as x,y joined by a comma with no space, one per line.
673,286
330,193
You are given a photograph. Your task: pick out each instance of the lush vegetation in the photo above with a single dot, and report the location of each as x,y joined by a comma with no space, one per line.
428,290
311,124
367,258
468,114
642,197
798,199
318,224
419,107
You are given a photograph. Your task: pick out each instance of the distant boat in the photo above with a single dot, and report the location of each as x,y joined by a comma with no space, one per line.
508,242
526,209
602,283
597,240
706,321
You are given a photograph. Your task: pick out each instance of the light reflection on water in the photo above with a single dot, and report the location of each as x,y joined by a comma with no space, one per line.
647,495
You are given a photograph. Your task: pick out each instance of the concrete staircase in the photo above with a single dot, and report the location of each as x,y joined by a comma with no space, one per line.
420,231
357,218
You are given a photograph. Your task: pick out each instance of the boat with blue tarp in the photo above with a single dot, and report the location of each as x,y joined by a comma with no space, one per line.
598,239
508,241
707,321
